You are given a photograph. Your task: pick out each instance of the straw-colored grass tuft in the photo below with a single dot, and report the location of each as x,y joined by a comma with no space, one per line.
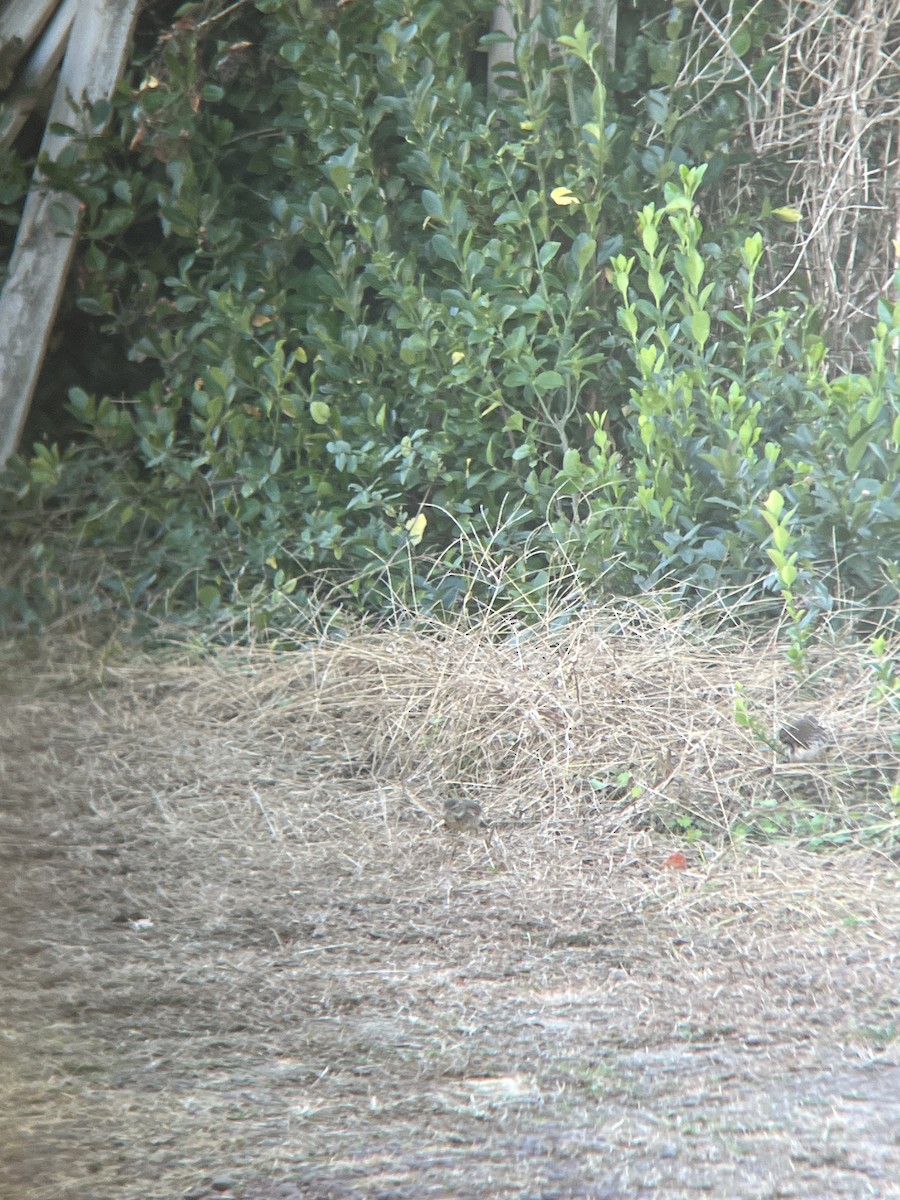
243,955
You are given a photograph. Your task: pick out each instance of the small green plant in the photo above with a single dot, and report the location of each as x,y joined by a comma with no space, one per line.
621,785
885,692
745,718
885,677
787,574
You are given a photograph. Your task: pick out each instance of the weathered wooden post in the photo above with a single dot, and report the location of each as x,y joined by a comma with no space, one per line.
94,58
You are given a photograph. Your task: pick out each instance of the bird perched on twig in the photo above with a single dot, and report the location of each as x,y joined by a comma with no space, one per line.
463,815
805,737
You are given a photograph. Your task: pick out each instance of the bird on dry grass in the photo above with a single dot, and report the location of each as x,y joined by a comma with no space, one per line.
463,815
805,737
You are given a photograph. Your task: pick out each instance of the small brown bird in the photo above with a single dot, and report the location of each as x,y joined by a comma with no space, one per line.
805,737
463,815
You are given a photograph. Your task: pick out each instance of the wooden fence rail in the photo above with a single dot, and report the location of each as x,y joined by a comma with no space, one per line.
95,51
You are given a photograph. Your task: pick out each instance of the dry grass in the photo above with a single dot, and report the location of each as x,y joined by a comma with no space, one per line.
828,109
241,948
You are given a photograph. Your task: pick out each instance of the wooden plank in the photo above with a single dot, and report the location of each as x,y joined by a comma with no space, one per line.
20,23
37,73
501,52
607,28
95,57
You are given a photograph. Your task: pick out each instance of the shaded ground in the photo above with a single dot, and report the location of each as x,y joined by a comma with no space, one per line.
241,957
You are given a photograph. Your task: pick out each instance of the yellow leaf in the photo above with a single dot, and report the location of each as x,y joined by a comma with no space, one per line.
563,197
791,215
526,125
416,528
457,356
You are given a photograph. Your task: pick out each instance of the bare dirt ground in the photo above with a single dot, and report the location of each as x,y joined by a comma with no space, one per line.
241,956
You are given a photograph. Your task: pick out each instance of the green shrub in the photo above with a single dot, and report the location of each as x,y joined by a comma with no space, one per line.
387,309
727,410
